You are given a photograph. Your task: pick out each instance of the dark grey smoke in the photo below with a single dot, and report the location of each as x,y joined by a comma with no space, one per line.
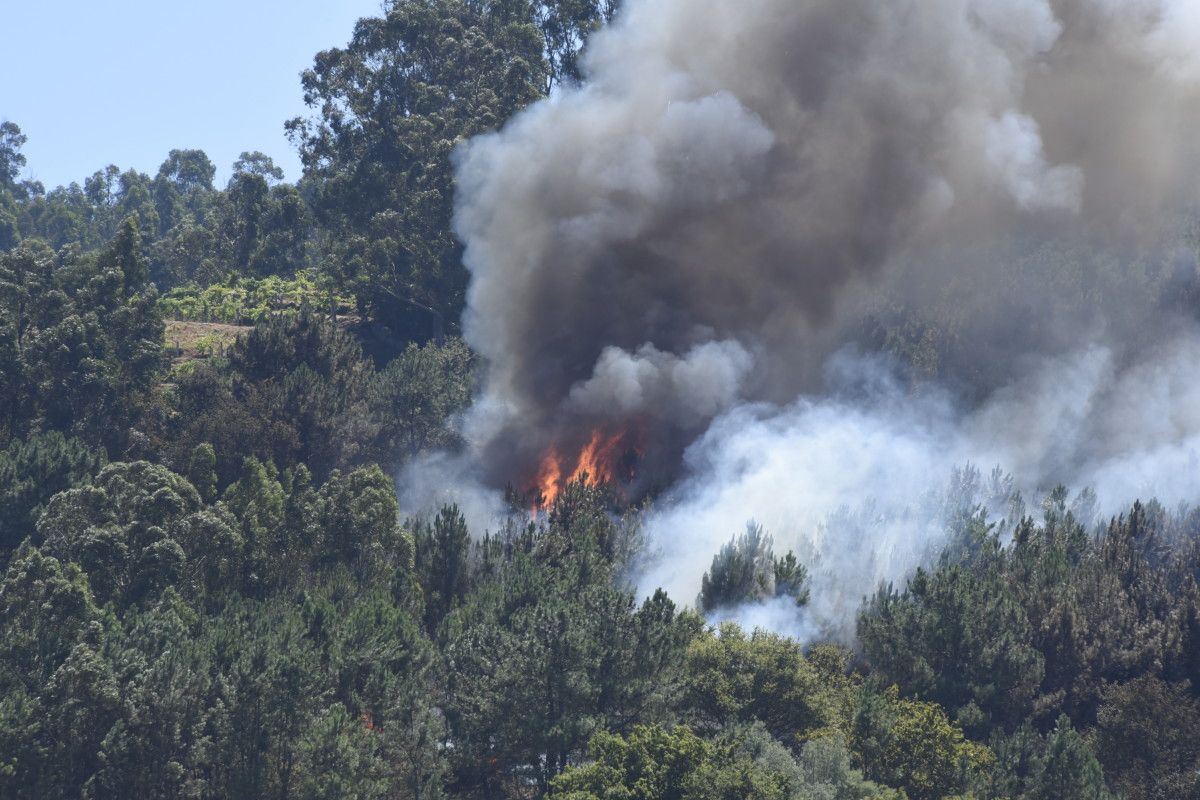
732,170
741,187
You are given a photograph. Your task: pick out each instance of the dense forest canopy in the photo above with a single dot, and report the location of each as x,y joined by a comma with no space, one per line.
622,281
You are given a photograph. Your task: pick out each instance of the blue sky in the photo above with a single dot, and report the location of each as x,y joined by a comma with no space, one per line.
125,81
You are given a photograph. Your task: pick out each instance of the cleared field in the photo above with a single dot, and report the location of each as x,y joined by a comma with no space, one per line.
187,341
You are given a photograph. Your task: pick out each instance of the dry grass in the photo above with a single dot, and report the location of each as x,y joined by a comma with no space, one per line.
187,341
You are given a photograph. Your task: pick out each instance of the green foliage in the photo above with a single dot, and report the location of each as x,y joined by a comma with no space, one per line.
741,572
547,650
913,745
393,104
357,520
821,769
257,163
11,162
258,501
128,530
202,471
247,300
1039,626
257,623
298,389
746,570
1068,770
11,159
192,231
338,752
442,553
83,702
222,612
960,639
294,391
80,340
375,204
48,623
31,472
826,770
1146,739
733,678
418,392
264,228
565,26
45,609
655,763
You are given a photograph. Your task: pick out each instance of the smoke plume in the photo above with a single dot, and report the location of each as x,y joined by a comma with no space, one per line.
740,190
865,481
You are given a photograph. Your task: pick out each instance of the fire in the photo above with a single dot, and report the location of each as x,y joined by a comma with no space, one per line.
549,479
606,458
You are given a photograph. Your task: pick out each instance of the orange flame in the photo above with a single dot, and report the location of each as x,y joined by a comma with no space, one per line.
598,463
550,476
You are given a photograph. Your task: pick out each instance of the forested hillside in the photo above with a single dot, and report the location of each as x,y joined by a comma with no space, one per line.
211,590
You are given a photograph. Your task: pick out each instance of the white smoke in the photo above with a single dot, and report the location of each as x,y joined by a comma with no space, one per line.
431,481
1013,149
853,483
692,236
691,388
1161,32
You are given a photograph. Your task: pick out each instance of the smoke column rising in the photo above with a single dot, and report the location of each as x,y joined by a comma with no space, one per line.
691,236
856,481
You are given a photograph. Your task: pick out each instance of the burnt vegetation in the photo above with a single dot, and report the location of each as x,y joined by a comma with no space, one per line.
210,590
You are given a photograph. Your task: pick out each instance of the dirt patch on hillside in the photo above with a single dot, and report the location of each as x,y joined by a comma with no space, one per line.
186,341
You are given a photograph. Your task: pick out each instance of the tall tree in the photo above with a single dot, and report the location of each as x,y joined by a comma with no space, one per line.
11,158
32,471
393,104
565,26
